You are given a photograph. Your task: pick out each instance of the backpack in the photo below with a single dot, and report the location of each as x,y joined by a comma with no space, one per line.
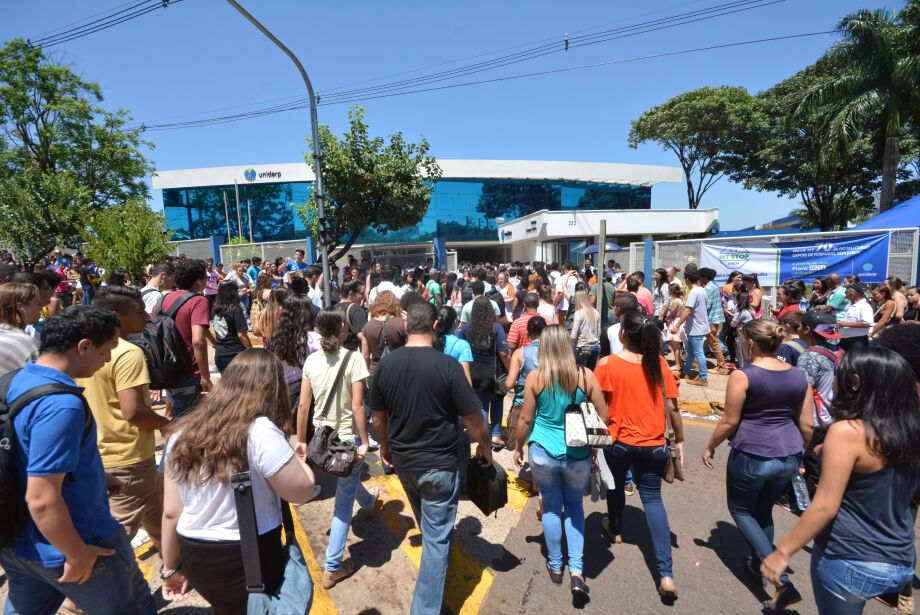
168,359
835,359
496,297
798,345
13,511
466,293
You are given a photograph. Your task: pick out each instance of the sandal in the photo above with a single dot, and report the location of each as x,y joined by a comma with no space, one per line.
540,516
608,533
749,564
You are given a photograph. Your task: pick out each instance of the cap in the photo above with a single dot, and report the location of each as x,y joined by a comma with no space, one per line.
433,272
822,323
858,287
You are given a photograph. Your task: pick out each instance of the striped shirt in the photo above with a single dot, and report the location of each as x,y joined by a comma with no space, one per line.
16,348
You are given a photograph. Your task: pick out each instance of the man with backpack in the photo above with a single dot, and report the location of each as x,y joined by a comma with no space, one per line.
69,546
820,361
188,309
119,398
160,277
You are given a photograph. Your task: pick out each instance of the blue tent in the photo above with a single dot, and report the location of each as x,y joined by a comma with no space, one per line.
903,215
611,246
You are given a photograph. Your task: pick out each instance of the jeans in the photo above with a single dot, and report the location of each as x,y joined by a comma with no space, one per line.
184,396
753,485
492,410
433,495
347,490
714,343
116,586
694,346
562,484
648,463
587,356
842,586
88,292
221,363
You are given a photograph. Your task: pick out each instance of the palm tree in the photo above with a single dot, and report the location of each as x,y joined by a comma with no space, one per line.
877,87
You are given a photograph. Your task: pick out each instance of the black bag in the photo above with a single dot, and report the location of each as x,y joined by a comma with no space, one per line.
486,487
466,293
13,511
294,596
495,296
498,376
326,452
386,341
168,360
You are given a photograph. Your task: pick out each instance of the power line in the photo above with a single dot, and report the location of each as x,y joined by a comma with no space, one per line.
73,23
303,105
111,19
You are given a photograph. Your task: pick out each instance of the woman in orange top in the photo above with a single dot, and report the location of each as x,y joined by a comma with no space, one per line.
632,383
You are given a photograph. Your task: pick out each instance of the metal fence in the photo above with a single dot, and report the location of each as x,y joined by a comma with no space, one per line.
192,248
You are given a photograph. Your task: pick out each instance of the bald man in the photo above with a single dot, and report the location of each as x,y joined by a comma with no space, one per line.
837,302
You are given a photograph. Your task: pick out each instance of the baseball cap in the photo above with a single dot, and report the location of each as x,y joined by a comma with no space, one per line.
858,287
433,271
822,323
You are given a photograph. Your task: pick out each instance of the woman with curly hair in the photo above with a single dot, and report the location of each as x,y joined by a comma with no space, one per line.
248,413
385,331
293,340
488,343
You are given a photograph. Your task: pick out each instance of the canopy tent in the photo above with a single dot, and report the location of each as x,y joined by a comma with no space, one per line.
611,246
903,215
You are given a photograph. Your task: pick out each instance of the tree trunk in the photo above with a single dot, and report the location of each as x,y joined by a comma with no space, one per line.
346,247
889,173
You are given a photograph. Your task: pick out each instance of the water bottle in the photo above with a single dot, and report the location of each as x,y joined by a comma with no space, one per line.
801,492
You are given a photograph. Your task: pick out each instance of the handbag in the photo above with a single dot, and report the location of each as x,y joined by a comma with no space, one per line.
294,596
498,387
583,427
326,452
486,487
672,469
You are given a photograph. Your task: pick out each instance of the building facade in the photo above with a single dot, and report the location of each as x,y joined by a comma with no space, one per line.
472,198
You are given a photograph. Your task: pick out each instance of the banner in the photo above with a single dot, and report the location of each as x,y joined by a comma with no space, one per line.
865,256
759,258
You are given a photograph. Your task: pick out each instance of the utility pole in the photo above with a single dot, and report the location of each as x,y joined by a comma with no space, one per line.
314,133
239,218
249,217
227,216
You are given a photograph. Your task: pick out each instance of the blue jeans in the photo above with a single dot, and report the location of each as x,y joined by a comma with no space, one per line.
492,410
347,490
88,292
244,303
116,586
694,345
433,495
562,484
843,586
648,463
587,356
753,485
183,396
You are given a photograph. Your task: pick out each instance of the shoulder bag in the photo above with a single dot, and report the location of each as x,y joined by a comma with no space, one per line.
583,427
386,342
326,452
672,469
294,596
498,377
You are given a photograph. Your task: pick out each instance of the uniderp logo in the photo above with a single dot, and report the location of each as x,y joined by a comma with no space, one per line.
733,257
249,174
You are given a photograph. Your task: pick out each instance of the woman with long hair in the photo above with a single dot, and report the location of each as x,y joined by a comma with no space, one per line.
231,332
385,331
451,345
885,308
453,290
896,285
744,313
639,390
752,286
546,309
674,340
490,360
661,295
733,278
561,472
769,420
345,411
260,297
293,340
586,331
860,517
248,414
264,323
507,290
20,306
818,293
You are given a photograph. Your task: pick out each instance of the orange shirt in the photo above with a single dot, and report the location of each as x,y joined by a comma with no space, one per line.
637,411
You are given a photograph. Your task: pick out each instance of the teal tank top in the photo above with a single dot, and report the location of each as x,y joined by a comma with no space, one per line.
549,424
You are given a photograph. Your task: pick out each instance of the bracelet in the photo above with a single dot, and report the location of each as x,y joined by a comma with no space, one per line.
165,575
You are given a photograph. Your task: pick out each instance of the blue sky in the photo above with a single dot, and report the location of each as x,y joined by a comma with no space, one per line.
201,55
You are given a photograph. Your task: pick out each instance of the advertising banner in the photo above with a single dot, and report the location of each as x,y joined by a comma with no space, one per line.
865,256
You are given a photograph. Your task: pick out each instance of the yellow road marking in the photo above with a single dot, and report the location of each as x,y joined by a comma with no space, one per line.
700,423
467,581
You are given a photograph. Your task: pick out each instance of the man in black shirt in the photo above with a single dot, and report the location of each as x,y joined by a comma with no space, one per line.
417,395
352,304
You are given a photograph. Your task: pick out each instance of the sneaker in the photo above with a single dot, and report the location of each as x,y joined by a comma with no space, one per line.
372,445
330,578
697,382
721,369
628,489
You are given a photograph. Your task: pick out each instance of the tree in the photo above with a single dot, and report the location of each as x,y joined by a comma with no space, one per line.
789,155
127,236
51,122
703,128
878,83
369,184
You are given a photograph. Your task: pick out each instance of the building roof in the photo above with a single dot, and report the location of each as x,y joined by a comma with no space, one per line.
546,225
593,172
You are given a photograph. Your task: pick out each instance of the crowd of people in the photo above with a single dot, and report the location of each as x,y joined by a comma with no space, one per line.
822,387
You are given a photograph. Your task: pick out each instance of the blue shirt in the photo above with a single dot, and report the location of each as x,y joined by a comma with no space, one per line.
253,273
293,266
714,304
458,349
49,440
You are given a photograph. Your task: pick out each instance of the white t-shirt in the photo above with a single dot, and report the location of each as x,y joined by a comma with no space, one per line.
860,311
547,311
698,321
382,287
613,336
150,296
316,296
572,281
209,511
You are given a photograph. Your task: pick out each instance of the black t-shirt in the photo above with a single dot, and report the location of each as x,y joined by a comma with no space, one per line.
423,392
356,317
225,333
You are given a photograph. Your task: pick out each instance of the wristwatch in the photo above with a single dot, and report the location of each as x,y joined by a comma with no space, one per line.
164,574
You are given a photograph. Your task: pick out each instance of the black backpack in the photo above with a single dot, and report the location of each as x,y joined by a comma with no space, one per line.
495,296
168,360
466,293
13,511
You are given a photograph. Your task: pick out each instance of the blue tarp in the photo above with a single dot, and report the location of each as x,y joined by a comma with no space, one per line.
903,215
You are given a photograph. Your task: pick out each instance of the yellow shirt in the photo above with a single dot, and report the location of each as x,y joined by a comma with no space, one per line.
120,443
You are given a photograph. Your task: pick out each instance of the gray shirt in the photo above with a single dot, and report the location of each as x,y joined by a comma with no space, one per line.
16,348
698,321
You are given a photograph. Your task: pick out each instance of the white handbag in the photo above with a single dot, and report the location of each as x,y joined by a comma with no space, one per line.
583,427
